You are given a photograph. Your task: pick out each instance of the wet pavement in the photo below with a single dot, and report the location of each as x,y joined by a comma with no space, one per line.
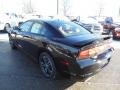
19,72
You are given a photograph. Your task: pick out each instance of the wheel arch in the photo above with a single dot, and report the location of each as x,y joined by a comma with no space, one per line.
47,50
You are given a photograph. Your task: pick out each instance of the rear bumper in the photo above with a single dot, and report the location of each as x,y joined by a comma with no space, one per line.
89,70
91,66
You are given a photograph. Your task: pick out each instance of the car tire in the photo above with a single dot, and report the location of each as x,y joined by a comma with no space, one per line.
12,44
48,67
114,36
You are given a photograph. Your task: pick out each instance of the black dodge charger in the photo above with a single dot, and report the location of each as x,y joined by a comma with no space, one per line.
62,47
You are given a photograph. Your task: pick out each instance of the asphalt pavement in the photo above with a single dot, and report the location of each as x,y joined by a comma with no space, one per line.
19,72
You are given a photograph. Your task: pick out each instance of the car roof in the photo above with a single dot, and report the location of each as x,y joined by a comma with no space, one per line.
50,20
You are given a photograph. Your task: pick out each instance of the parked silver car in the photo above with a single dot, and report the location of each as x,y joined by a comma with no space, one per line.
91,24
8,21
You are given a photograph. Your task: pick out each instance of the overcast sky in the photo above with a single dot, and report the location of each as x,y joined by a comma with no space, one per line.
78,7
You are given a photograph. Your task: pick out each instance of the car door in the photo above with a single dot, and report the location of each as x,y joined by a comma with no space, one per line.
35,41
23,36
40,37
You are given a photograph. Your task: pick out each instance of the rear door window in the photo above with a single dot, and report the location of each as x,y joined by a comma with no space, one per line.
43,29
49,31
46,32
36,28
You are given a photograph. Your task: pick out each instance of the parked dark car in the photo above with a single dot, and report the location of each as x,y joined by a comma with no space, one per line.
113,29
108,29
62,47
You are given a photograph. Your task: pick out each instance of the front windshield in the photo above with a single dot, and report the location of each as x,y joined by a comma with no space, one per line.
68,28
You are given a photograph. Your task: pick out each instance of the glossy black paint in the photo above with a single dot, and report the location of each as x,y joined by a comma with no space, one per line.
63,49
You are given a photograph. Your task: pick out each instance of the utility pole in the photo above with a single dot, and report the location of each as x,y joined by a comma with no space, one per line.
57,7
100,11
100,8
119,11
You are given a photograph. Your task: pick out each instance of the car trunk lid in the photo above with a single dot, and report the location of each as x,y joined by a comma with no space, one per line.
83,40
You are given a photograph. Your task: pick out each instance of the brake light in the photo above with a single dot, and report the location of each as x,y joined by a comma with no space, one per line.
87,53
93,51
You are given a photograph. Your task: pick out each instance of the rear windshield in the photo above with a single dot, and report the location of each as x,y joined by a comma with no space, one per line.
69,28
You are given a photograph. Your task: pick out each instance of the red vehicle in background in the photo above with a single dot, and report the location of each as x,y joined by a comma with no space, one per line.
112,29
116,31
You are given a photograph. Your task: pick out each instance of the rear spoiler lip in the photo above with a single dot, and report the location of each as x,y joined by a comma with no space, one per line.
92,42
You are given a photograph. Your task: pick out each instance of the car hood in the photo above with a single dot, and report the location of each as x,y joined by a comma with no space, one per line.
82,40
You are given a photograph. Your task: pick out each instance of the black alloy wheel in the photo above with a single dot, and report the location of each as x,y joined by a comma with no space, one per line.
47,66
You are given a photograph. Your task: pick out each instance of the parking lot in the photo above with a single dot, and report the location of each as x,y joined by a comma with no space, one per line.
19,72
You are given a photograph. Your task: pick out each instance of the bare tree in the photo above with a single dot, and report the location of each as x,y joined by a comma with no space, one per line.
66,7
28,7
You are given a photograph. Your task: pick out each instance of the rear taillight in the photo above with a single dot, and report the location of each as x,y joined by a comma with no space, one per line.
92,52
87,53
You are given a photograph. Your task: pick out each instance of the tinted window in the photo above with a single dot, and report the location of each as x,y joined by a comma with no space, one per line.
26,26
49,31
46,31
69,28
36,28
